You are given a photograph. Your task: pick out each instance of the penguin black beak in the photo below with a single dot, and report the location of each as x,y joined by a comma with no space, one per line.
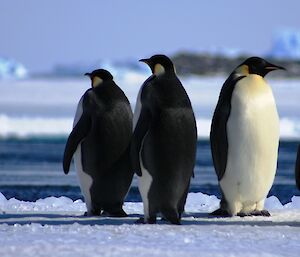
87,74
271,67
144,60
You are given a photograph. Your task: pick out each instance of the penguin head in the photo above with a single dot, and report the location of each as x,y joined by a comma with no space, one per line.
99,76
256,65
159,64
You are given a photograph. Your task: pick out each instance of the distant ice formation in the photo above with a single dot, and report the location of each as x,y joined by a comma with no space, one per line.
286,45
117,68
229,52
11,69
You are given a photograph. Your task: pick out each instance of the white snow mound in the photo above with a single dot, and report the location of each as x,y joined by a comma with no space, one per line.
55,227
196,202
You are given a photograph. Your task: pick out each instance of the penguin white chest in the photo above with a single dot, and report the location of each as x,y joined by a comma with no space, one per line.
145,181
85,180
253,138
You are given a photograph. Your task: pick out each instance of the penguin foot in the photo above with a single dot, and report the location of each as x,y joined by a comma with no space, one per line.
175,222
244,214
116,214
149,221
220,213
264,213
140,221
172,220
91,213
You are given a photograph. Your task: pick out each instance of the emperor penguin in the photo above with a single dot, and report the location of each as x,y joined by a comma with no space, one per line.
100,144
297,169
244,139
163,146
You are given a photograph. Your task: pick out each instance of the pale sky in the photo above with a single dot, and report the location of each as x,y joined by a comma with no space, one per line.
42,33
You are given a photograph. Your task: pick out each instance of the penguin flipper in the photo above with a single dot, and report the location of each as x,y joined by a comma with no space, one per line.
78,133
218,132
297,169
139,134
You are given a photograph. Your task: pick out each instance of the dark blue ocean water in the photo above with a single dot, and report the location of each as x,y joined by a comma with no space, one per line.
31,169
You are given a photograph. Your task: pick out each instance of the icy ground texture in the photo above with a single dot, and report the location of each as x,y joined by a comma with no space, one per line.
56,227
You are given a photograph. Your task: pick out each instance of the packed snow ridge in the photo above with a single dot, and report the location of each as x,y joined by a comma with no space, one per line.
196,202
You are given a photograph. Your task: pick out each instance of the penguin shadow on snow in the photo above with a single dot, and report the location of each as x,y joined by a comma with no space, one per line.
201,219
207,219
64,219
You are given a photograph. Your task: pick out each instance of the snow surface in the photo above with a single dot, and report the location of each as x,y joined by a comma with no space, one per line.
40,107
56,227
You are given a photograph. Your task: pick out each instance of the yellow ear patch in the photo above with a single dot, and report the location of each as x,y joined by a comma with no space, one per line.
96,81
243,70
159,69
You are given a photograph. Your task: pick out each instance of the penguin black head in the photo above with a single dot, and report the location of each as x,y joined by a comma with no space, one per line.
99,76
256,65
159,64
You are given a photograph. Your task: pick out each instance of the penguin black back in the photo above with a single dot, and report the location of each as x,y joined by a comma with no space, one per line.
100,140
164,142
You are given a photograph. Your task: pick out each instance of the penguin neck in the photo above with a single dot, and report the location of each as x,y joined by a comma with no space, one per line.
101,87
96,82
160,70
244,70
